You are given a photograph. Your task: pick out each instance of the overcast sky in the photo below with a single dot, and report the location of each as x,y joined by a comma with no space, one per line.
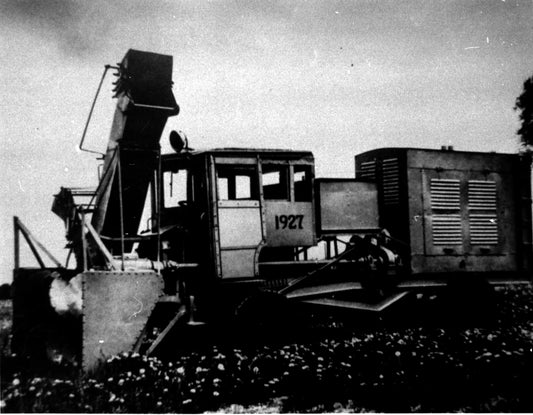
333,77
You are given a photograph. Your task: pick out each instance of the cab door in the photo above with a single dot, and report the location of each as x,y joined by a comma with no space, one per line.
239,218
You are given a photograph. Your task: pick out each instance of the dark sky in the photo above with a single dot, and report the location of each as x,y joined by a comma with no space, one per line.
336,78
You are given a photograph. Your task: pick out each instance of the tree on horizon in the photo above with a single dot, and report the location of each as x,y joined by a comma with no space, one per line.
524,105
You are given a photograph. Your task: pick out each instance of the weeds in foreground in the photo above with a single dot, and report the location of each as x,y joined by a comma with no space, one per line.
391,370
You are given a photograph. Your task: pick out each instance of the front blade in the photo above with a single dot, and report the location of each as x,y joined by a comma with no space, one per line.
116,307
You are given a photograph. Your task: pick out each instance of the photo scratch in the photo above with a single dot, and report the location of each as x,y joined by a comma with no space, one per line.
136,313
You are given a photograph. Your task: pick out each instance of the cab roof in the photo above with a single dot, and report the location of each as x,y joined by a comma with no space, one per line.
246,152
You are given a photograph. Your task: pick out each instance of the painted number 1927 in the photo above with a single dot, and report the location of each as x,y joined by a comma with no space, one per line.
289,221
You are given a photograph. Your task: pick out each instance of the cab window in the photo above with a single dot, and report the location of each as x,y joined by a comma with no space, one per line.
174,187
275,182
302,184
236,183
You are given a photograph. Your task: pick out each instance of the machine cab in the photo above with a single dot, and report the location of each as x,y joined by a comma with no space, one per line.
230,209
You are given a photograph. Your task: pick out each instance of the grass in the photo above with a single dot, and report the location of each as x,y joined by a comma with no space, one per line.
391,369
6,311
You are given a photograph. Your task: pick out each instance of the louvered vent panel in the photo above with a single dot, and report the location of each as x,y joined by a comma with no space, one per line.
482,195
446,230
391,181
368,170
445,194
483,229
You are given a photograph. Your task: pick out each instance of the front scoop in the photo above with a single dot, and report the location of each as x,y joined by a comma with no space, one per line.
116,308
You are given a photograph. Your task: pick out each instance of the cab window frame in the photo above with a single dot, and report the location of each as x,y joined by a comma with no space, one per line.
235,177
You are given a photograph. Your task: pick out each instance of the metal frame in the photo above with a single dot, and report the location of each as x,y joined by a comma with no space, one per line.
33,243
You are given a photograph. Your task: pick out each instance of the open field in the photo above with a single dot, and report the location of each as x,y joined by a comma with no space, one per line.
483,367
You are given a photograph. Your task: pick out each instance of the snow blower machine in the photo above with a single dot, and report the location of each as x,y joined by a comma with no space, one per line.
166,240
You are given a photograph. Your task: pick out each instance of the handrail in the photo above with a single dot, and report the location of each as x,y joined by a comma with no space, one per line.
106,68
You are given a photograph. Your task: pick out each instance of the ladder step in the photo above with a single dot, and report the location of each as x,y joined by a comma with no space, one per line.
317,290
358,305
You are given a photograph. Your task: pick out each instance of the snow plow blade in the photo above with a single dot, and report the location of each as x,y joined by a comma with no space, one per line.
116,308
